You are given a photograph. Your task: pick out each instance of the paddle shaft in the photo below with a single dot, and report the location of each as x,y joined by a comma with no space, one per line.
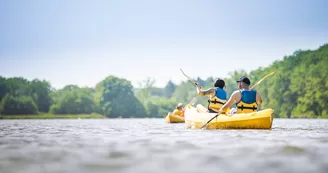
210,120
193,101
262,80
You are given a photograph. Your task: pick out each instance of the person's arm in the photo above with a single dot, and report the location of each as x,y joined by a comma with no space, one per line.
204,92
198,89
230,102
258,98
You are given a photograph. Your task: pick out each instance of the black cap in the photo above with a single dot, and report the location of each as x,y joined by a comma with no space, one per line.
245,80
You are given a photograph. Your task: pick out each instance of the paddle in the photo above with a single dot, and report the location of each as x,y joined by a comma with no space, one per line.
251,88
193,101
262,80
191,80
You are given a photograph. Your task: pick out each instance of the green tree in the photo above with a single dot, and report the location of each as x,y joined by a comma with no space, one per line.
3,87
118,100
73,100
152,109
17,105
169,89
41,94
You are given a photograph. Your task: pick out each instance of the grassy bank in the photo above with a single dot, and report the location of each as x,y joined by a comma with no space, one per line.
53,116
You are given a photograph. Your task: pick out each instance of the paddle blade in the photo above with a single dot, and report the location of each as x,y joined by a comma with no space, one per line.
193,101
188,77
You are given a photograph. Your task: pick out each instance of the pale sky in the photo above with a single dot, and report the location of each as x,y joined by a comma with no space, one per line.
81,42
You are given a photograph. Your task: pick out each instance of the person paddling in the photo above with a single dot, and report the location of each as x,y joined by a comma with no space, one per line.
246,99
217,95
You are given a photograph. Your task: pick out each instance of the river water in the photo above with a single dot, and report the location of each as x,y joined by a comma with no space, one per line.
150,145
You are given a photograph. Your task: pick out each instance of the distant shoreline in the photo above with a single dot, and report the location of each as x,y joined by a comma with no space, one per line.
54,116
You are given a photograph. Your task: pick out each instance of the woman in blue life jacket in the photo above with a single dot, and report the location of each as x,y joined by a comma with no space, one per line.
246,99
217,96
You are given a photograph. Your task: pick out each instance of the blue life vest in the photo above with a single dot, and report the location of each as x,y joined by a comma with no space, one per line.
216,102
248,96
247,102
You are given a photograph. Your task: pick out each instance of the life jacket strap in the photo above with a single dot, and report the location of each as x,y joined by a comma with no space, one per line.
242,107
215,102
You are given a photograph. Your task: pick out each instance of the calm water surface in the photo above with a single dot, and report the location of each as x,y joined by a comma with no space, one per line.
150,145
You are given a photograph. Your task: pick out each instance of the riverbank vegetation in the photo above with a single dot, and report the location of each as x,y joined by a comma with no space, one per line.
298,89
54,116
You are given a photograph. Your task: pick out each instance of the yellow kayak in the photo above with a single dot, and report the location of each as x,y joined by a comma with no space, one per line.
171,118
195,119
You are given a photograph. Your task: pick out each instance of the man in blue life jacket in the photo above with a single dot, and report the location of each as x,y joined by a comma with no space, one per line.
217,96
246,99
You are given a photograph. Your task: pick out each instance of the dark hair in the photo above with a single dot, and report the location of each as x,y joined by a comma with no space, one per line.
219,83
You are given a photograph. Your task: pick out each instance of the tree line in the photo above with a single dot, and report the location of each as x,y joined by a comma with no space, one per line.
297,89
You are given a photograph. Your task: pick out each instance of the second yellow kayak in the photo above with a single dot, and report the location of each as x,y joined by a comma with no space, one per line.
171,118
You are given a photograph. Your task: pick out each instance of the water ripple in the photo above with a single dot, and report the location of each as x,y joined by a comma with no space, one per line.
150,145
